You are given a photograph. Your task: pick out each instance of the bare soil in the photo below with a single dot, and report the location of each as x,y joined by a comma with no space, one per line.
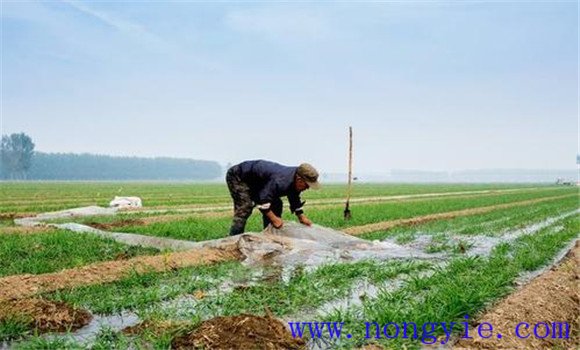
44,315
554,296
243,331
12,216
112,225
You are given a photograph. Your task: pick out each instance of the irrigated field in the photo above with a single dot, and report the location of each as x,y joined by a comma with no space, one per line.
65,289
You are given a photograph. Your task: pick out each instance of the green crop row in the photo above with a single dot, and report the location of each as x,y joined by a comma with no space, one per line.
492,223
440,296
204,228
48,196
53,251
463,287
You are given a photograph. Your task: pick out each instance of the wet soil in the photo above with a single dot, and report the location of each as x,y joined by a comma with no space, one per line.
44,315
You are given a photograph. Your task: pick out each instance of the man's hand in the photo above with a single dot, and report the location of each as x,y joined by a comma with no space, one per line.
304,220
276,221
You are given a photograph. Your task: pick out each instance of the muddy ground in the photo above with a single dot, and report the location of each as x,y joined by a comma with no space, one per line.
44,315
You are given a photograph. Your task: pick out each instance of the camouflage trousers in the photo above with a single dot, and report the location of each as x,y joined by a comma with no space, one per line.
243,203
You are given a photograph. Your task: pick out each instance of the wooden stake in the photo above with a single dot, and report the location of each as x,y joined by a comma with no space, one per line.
347,213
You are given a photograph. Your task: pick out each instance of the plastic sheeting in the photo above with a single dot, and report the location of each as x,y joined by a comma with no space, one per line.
69,213
126,202
293,244
297,244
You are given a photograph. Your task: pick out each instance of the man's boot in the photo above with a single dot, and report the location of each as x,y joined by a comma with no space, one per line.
238,226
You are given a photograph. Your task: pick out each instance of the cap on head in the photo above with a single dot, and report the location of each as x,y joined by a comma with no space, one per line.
309,174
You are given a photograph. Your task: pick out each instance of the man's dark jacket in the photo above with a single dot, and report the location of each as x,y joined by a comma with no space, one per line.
269,181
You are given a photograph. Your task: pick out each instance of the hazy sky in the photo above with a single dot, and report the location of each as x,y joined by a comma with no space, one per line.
425,85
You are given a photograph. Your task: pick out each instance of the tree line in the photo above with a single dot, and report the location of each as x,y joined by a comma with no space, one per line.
19,161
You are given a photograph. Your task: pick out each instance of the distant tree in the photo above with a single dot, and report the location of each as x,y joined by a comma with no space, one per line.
70,166
16,153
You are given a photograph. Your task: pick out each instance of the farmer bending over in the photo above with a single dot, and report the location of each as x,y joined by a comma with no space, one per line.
261,183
